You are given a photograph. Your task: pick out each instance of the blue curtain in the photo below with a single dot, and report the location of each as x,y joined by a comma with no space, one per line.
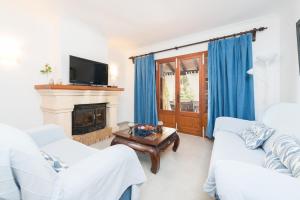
127,194
230,90
145,110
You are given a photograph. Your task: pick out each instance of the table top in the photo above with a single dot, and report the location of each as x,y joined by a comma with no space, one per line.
153,139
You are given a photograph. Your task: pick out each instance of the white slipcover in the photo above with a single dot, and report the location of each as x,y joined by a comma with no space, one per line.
237,173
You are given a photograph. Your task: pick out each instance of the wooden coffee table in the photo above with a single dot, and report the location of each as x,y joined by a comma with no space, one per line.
152,144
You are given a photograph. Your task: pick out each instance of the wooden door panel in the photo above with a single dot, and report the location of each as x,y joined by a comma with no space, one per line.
189,124
189,85
168,118
182,92
165,87
186,122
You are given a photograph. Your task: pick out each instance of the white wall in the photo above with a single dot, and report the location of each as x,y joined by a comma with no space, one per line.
118,56
79,39
34,29
267,45
290,79
44,36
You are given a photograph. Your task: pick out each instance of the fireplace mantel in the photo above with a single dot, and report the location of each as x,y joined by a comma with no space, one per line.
76,87
57,103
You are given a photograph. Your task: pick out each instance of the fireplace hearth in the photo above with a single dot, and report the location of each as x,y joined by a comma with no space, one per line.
87,118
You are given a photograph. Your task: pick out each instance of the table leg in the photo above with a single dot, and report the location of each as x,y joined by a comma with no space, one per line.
155,160
176,143
114,141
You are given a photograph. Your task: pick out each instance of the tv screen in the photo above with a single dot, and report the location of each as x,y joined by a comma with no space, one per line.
83,71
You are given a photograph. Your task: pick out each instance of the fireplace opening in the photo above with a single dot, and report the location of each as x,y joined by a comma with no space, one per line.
87,118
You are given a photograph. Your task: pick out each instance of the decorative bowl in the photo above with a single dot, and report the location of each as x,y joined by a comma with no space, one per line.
144,130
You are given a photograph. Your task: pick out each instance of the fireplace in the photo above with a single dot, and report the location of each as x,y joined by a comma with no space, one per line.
87,118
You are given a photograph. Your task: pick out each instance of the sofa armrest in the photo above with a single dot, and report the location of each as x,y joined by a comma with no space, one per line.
231,124
241,181
46,134
103,175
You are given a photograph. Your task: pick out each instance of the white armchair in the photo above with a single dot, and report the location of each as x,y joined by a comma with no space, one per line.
110,174
92,174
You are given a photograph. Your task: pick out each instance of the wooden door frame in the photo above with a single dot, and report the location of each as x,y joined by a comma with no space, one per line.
158,85
202,99
188,114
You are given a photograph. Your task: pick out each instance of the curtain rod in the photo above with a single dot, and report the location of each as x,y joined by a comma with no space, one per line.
253,31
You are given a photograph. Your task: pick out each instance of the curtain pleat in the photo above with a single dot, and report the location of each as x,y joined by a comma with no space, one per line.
231,90
145,110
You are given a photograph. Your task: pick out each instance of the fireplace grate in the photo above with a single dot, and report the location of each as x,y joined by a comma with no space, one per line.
87,118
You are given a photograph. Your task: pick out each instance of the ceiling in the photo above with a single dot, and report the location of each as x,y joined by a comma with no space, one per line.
144,22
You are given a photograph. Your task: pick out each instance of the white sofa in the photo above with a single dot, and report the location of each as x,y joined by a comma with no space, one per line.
110,174
237,173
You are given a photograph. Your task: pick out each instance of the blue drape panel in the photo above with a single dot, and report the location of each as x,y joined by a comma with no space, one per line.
127,194
145,110
230,90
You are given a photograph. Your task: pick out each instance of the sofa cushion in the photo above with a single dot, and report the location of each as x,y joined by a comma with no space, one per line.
9,189
241,181
273,162
46,134
268,144
256,135
288,150
230,146
34,177
284,118
75,151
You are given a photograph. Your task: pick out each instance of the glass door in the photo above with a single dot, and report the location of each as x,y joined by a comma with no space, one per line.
188,116
166,80
182,92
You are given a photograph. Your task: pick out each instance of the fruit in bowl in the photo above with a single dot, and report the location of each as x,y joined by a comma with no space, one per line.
144,130
146,127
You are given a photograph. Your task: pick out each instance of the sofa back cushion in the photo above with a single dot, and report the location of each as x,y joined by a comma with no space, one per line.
284,118
32,175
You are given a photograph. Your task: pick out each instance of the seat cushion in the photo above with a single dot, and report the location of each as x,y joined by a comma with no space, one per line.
69,151
230,146
241,181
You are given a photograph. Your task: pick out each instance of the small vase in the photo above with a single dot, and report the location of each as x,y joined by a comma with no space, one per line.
51,81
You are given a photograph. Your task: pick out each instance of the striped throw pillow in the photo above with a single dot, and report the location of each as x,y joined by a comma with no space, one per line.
256,135
55,162
273,162
288,150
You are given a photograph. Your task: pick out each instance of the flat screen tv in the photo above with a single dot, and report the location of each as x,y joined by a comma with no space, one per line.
88,72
